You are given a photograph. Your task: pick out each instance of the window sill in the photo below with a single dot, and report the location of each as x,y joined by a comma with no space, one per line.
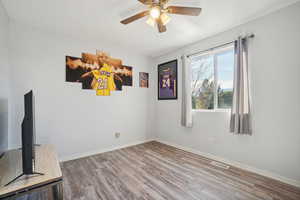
213,111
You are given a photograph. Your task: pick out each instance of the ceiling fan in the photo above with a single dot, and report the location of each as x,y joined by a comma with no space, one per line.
157,12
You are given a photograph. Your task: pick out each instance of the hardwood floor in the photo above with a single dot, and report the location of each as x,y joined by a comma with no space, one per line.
156,171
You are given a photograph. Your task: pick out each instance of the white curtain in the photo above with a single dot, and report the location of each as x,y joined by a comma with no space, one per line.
186,108
240,122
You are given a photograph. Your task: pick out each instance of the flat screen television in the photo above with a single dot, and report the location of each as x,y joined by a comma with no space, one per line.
3,126
28,137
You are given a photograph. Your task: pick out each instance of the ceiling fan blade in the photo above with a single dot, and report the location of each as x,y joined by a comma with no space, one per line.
164,1
146,2
193,11
135,17
161,28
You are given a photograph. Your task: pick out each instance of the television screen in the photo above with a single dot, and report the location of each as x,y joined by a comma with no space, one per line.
28,134
3,125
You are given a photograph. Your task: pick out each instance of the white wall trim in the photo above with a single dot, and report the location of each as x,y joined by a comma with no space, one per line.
236,164
98,151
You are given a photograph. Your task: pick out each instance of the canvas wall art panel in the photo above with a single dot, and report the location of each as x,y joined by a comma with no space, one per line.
126,75
74,69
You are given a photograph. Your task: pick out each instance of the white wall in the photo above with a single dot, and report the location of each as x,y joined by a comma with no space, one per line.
4,79
76,121
275,69
79,123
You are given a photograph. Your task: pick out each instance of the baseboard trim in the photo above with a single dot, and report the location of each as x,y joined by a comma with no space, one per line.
236,164
98,151
208,155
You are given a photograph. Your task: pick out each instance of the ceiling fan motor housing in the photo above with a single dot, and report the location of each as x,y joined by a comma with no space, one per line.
158,13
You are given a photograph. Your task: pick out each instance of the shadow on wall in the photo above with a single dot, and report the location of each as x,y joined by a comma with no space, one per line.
3,125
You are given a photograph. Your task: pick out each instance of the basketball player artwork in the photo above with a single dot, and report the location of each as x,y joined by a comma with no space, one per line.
167,80
144,80
98,72
125,73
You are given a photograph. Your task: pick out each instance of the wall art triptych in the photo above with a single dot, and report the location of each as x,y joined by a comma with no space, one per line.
98,72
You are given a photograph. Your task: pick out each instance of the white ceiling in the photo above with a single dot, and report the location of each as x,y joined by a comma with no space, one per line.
99,19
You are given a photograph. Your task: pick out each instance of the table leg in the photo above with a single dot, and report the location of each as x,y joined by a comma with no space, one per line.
58,192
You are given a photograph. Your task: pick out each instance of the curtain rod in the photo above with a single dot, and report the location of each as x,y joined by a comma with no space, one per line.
218,46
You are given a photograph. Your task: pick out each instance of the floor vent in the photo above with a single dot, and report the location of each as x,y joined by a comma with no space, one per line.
218,164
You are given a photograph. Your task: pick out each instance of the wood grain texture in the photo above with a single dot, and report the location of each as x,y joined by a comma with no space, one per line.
11,166
135,17
179,10
146,2
154,171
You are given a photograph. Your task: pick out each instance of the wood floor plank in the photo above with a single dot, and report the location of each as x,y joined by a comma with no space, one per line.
155,171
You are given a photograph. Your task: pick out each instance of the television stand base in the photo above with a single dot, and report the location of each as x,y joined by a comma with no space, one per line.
36,145
34,173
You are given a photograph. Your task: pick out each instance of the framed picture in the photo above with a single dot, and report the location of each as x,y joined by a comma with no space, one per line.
167,80
144,80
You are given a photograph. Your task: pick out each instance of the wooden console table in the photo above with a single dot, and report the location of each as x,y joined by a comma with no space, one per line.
46,162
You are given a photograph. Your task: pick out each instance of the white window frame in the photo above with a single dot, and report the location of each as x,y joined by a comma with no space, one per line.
215,53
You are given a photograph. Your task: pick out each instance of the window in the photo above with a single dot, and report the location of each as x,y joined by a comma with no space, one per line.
212,79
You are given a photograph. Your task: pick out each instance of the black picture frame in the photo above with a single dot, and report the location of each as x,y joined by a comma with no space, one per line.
173,66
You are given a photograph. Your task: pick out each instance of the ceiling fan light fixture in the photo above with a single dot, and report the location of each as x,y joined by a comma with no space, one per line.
155,12
158,13
165,18
151,21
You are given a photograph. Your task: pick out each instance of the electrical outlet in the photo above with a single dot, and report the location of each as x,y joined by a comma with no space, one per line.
117,135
